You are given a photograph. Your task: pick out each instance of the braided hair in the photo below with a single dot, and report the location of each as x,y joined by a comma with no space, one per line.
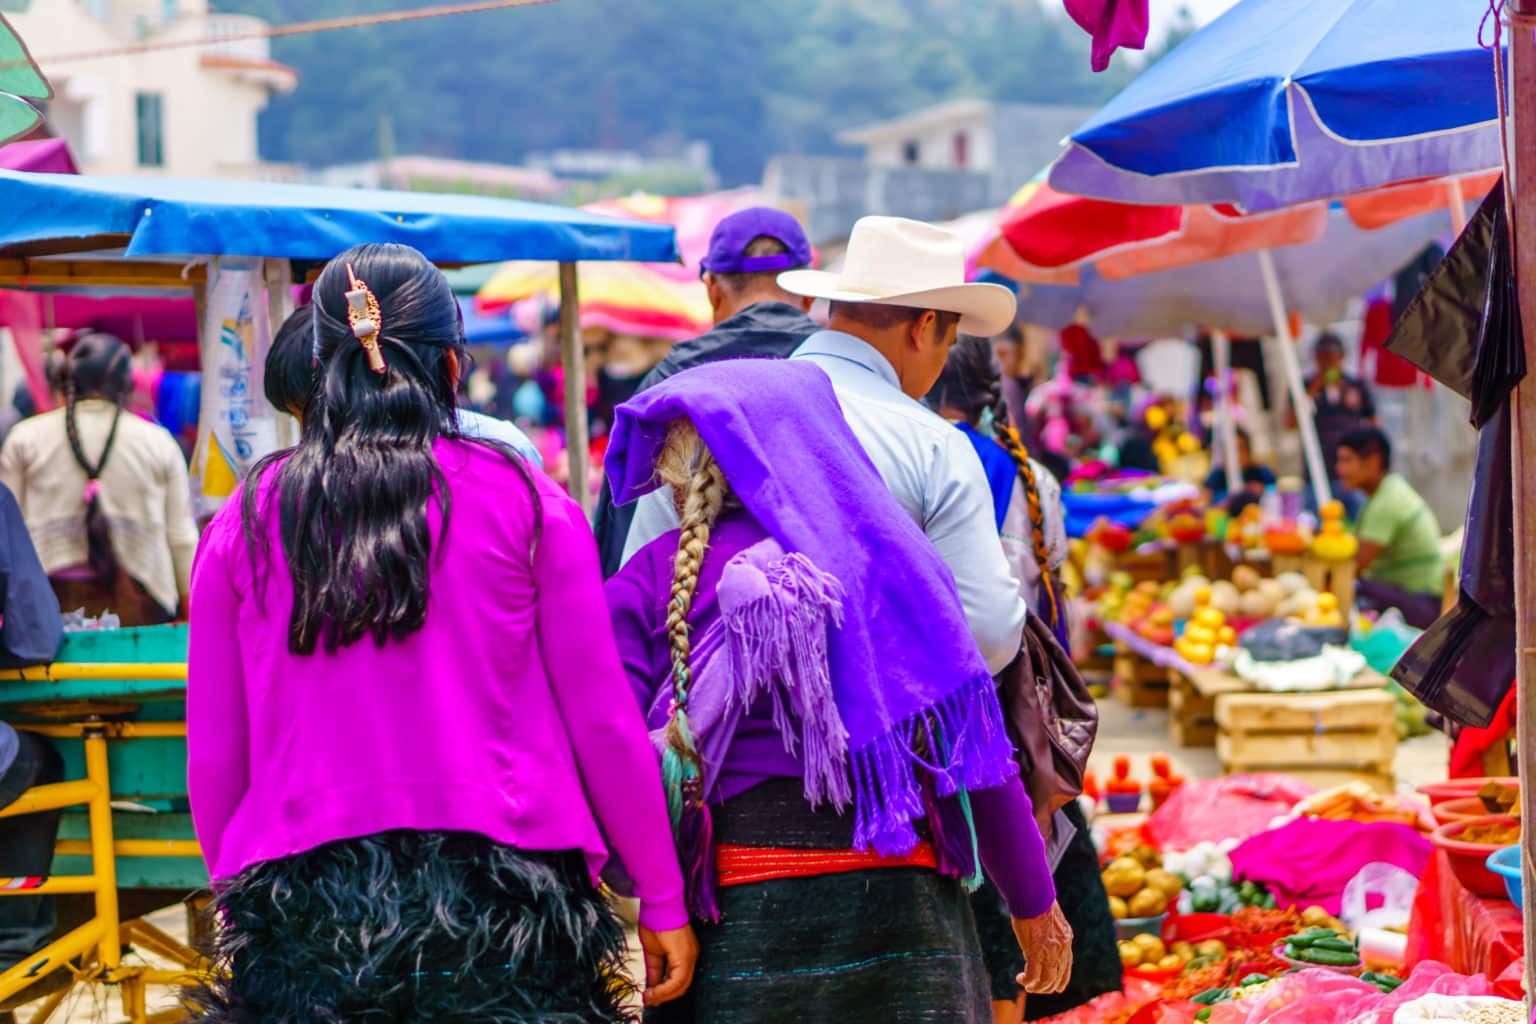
98,366
700,490
972,384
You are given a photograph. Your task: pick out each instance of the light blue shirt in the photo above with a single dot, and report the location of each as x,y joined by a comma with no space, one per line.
932,471
490,428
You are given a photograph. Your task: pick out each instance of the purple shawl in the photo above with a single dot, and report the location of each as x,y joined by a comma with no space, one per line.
903,660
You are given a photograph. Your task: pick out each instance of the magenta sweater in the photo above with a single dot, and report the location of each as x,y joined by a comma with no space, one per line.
506,715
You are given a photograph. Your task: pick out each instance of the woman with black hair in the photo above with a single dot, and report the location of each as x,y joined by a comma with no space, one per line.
1027,501
410,747
104,492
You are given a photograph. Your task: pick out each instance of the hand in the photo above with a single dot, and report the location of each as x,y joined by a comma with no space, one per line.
669,961
1047,944
1316,384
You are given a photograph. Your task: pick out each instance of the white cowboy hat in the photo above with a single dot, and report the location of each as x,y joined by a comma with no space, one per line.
892,261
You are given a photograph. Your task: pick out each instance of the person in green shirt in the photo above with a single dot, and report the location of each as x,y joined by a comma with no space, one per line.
1399,559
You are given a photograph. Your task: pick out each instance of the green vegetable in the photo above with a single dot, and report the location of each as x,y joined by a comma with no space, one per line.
1254,979
1268,903
1203,1014
1311,936
1326,957
1337,944
1385,982
1209,996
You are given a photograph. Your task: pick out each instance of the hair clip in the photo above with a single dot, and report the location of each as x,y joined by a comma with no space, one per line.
364,317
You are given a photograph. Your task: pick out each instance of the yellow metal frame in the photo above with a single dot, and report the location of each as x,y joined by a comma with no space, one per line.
93,952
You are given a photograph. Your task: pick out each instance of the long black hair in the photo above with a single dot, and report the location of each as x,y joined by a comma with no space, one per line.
353,495
97,366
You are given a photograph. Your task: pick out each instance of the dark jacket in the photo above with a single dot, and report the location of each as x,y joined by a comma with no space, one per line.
30,624
764,330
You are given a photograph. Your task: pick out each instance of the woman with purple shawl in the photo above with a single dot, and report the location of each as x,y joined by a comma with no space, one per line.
837,768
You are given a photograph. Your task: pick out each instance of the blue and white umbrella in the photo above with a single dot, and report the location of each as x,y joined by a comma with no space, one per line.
1278,102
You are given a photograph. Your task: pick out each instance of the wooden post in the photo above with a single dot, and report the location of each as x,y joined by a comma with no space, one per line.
574,361
1522,98
279,277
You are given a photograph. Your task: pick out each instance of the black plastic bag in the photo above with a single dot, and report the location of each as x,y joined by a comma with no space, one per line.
1464,664
1463,327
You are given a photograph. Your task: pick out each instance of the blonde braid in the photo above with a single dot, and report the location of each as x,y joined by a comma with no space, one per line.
699,485
1009,438
701,508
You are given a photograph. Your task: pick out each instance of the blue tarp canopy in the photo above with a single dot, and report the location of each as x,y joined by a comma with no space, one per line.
149,217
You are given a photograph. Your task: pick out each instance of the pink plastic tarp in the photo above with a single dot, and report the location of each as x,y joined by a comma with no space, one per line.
40,156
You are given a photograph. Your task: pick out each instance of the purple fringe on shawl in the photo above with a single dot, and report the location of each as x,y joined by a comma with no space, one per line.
779,610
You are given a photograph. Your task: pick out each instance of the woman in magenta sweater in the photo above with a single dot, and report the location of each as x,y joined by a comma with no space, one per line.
410,744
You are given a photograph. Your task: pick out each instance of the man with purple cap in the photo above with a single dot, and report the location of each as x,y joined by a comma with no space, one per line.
754,318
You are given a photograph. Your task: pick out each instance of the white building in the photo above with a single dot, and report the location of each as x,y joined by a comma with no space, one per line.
186,111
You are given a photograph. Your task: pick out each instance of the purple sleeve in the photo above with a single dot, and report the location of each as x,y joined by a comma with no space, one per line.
619,769
1012,851
218,740
636,612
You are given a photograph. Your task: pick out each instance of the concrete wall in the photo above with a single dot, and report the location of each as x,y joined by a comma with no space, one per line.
210,96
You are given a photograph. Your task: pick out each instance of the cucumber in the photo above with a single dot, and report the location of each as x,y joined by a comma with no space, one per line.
1339,945
1327,957
1209,996
1311,935
1254,979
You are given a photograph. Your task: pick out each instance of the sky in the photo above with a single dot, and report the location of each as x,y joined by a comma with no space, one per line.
1163,11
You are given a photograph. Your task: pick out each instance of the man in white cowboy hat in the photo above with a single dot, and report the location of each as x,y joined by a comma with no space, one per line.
897,307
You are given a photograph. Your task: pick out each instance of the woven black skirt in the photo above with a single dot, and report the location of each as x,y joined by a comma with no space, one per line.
430,927
890,945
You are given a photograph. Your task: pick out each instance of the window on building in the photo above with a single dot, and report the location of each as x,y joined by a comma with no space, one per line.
151,123
168,10
962,151
911,152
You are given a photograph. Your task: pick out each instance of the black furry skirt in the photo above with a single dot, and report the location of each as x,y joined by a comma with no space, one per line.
884,946
431,927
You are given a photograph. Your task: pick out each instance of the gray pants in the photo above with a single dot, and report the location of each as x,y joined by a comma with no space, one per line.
26,849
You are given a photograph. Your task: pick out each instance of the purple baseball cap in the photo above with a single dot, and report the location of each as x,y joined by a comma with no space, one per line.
728,244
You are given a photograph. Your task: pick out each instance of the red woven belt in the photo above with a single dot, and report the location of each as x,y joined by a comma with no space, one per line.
743,865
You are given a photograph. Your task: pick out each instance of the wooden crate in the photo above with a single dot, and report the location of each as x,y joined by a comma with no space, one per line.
1155,565
1095,655
1138,682
1337,578
1342,731
1191,713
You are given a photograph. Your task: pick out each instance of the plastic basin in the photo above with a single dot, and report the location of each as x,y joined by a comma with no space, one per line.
1506,864
1459,809
1130,927
1469,861
1196,928
1440,792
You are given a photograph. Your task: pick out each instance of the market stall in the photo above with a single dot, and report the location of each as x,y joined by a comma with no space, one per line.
114,701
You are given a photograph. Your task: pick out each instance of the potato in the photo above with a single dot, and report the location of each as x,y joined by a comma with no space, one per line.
1224,597
1245,577
1314,917
1254,604
1211,947
1124,877
1152,948
1118,908
1170,963
1148,903
1165,882
1130,954
1272,590
1183,950
1291,582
